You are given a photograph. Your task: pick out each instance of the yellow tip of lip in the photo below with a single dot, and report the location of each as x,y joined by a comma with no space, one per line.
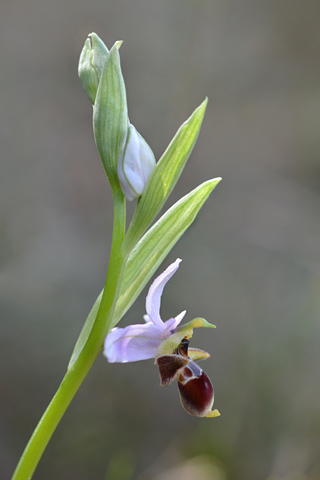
213,413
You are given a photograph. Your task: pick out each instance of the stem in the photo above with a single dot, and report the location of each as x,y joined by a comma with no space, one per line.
75,375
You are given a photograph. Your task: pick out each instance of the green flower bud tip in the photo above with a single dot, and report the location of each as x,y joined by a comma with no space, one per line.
91,63
136,165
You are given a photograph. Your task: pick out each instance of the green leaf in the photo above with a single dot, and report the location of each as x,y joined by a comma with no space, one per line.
110,115
155,245
85,332
164,176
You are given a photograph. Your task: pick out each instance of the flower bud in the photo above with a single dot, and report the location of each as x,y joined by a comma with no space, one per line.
136,164
91,63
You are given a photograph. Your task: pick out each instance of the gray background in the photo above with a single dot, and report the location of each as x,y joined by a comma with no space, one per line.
250,261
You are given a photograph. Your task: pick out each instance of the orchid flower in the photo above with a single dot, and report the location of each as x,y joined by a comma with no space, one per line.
168,344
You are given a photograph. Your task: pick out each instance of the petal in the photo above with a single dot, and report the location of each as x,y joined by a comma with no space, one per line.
172,324
153,299
133,343
169,367
196,354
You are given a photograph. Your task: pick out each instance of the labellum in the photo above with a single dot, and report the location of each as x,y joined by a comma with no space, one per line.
195,389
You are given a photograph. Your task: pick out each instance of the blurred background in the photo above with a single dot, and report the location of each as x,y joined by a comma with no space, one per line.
251,261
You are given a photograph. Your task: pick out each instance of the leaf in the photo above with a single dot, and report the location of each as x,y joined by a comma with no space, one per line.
85,332
155,245
164,176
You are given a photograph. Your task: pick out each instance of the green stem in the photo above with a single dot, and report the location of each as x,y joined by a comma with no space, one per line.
77,373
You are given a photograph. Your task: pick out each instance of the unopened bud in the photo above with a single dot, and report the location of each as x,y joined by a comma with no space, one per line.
136,165
91,63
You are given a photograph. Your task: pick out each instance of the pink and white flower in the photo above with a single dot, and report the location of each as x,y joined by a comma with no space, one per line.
140,342
169,345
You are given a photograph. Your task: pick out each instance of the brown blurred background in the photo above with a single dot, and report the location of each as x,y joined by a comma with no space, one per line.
251,261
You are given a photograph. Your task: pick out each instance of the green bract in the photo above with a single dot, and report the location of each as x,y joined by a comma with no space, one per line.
110,116
157,242
165,176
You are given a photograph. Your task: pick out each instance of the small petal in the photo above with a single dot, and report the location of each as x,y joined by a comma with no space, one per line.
153,299
172,324
133,343
196,354
169,366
